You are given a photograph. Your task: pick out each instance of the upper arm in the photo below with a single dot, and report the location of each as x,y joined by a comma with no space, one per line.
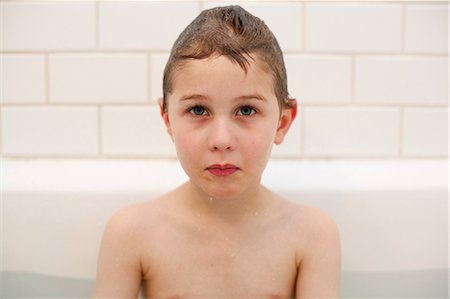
118,267
319,271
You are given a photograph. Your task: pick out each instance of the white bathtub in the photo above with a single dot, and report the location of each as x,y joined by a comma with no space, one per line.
392,217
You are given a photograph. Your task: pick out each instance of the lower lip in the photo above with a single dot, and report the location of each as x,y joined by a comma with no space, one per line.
222,172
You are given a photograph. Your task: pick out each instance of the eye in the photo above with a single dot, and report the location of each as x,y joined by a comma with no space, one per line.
197,110
246,110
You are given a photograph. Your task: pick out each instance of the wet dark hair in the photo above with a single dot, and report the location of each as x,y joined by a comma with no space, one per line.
235,33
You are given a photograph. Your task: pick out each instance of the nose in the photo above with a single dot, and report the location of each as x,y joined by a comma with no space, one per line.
221,136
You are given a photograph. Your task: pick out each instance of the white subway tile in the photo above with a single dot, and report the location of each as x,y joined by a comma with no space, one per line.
401,80
353,27
319,79
23,78
351,131
425,132
49,131
135,131
158,63
426,28
98,78
44,25
143,25
283,18
292,144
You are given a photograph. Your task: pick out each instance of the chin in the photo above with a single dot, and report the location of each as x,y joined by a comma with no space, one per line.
223,187
218,189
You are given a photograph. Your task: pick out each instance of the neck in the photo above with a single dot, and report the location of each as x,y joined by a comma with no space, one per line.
233,209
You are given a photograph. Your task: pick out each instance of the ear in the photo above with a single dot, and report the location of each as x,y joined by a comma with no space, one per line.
288,115
165,116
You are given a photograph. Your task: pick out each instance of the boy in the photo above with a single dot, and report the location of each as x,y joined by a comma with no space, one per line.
222,234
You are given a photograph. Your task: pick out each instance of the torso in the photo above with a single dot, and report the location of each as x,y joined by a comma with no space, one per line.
189,257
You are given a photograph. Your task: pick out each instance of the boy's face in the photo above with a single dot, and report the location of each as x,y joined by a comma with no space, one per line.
223,123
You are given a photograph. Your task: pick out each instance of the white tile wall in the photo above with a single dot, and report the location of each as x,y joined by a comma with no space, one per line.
426,28
98,78
143,25
135,131
81,78
50,131
353,26
402,80
283,18
23,78
319,78
351,132
425,132
48,25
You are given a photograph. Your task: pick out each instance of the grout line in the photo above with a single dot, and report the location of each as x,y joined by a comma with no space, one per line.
427,2
131,157
401,135
99,130
1,118
167,51
47,78
403,29
149,78
88,51
352,80
97,25
303,41
145,104
1,138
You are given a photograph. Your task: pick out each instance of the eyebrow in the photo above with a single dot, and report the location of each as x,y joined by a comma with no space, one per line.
193,97
239,98
256,96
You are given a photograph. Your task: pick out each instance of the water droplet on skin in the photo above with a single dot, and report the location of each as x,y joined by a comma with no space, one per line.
198,229
198,215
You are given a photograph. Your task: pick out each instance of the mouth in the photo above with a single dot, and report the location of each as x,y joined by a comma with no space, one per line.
222,169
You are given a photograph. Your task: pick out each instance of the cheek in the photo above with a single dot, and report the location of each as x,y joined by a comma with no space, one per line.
258,148
186,143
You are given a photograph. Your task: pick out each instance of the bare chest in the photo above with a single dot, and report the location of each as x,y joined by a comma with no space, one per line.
194,262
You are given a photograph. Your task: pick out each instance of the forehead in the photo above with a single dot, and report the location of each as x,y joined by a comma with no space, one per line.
219,75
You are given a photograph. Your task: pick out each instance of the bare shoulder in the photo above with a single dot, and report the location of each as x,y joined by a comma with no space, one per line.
314,227
317,220
136,216
119,265
307,216
318,252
